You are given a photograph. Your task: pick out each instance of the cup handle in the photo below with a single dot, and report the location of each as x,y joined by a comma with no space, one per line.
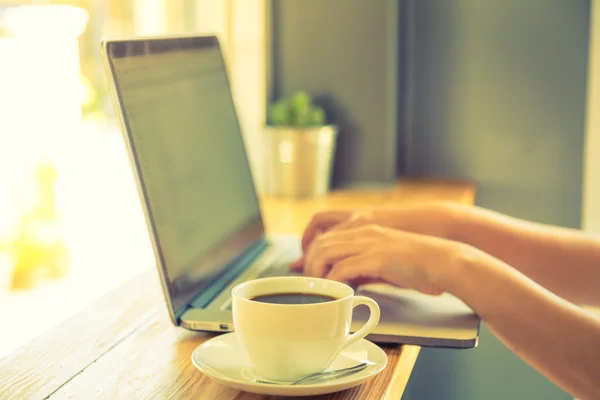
370,324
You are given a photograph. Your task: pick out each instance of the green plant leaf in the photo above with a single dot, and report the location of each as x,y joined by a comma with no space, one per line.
301,101
279,114
298,110
317,116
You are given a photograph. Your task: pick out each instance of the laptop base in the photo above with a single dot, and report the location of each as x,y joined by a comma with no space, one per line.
407,317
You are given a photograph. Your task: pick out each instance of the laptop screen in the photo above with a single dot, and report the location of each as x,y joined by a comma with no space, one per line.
189,155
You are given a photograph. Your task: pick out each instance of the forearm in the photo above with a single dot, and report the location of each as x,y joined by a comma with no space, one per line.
559,339
565,261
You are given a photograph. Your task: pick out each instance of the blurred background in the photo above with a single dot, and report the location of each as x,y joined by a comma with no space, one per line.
503,93
71,226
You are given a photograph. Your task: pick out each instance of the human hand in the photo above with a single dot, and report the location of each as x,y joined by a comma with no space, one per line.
373,253
434,219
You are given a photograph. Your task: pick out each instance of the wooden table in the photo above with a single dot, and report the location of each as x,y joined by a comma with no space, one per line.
125,347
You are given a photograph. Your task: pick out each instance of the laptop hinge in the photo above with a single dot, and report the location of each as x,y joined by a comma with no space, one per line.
238,266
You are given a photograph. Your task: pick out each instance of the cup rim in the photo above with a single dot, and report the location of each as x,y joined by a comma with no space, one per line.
246,300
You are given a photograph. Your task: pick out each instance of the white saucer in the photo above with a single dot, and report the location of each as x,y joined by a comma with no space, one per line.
222,359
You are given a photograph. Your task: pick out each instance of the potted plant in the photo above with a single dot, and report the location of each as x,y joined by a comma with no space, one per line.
300,147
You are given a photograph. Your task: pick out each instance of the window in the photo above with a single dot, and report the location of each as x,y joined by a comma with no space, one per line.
71,225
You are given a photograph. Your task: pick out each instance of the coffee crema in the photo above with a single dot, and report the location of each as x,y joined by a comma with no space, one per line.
293,298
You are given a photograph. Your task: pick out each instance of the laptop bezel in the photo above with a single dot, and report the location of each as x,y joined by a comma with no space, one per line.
175,310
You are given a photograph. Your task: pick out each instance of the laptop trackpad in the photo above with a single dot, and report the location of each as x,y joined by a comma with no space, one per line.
409,313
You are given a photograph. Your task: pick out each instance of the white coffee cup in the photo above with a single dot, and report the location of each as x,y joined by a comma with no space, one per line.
286,342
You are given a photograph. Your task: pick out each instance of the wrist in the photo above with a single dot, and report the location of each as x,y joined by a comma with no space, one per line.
453,221
476,278
457,263
438,219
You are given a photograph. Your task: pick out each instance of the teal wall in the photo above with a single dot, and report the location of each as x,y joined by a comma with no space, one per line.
344,52
492,91
497,94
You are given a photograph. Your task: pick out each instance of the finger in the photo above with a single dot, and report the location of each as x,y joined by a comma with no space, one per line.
358,218
332,246
345,225
368,267
352,230
362,267
322,221
433,291
298,265
364,281
322,255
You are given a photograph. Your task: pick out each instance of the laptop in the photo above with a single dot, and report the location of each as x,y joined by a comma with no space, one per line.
173,100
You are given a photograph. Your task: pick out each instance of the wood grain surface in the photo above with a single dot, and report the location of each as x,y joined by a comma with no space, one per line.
154,363
125,347
41,367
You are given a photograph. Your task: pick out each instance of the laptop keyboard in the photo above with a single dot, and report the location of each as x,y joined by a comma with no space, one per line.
280,267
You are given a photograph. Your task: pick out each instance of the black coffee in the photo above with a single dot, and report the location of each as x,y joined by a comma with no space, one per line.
293,298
